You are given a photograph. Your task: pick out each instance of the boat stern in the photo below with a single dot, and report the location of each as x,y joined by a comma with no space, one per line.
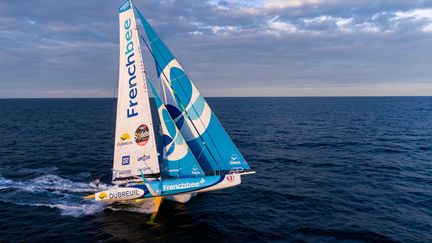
229,180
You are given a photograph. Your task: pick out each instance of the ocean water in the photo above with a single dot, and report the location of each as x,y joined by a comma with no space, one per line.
328,169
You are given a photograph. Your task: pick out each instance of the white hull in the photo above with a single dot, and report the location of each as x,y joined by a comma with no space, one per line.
181,198
130,198
230,180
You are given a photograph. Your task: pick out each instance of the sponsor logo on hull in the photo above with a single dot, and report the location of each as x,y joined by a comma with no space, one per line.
102,195
119,194
230,178
183,185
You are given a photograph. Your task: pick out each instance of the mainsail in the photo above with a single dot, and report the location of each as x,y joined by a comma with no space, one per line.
135,143
177,159
208,140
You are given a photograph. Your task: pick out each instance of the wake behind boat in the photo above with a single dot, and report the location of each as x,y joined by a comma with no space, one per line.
195,152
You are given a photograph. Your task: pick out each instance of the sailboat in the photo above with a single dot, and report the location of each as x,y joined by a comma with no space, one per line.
195,153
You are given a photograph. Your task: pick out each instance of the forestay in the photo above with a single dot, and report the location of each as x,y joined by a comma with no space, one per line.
135,147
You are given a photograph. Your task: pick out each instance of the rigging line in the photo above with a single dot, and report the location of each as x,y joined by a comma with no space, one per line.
177,98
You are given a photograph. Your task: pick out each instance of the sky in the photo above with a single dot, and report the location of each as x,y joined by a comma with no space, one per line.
229,48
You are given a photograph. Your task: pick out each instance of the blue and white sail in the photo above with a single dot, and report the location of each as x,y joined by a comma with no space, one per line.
135,143
206,137
177,159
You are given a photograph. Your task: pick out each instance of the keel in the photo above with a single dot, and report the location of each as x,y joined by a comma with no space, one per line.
158,201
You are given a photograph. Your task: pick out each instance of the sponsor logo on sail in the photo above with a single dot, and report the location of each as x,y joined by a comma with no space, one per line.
126,160
143,158
145,170
131,70
124,172
142,135
234,160
195,170
125,139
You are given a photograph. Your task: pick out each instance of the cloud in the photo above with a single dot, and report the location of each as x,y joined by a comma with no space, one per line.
283,4
265,6
423,17
284,46
275,26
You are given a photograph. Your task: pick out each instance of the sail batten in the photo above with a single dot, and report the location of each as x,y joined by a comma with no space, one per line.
203,132
135,144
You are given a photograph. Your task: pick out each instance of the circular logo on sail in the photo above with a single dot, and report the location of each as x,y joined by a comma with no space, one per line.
142,135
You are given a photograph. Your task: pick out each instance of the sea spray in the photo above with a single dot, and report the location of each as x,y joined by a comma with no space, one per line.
50,191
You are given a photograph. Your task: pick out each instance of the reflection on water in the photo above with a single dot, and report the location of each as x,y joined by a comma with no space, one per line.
172,219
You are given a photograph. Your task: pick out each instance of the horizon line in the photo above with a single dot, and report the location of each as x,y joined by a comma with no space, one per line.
311,96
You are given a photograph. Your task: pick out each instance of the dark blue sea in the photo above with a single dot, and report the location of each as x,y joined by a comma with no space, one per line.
328,169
